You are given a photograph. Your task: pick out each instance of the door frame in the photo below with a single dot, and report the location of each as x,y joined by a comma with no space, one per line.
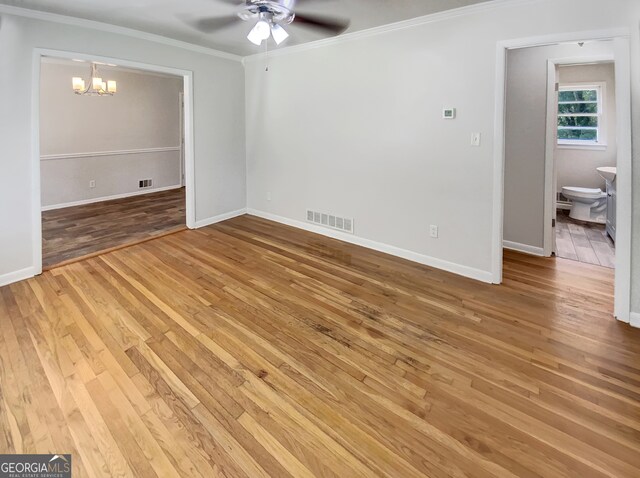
622,61
36,201
182,138
550,169
550,172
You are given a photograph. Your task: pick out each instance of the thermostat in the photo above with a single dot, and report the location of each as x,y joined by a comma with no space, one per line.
449,113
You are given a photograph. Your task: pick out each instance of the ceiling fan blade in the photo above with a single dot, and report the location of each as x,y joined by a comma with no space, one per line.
328,24
210,25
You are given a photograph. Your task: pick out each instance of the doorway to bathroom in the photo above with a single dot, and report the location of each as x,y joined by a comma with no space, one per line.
564,157
581,132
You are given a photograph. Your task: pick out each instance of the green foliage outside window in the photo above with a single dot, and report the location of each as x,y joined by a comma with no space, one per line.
578,115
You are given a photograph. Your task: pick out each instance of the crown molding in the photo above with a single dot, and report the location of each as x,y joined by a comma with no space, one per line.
109,28
402,25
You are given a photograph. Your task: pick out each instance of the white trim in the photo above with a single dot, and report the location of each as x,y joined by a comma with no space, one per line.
220,217
17,276
121,62
187,77
477,274
109,198
624,180
500,94
189,151
587,147
181,132
565,37
622,59
477,8
36,198
516,246
634,319
551,140
118,30
122,152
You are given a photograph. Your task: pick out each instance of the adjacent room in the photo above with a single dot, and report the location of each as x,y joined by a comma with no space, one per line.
112,157
586,163
561,152
312,238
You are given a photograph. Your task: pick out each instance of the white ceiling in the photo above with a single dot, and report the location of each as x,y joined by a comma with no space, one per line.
170,18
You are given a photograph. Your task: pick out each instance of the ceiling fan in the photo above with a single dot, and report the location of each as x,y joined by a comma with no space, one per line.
270,17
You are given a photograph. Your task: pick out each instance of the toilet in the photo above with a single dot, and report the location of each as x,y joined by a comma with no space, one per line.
587,204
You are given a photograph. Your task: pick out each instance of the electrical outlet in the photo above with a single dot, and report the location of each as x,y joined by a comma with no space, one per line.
475,139
433,231
92,183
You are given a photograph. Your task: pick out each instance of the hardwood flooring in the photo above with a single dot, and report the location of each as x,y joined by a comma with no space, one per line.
80,231
583,242
252,349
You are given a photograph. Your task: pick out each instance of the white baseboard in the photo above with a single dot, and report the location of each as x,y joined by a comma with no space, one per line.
516,246
219,218
17,276
634,319
477,274
109,198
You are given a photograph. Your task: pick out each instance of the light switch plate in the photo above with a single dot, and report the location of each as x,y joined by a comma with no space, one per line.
475,139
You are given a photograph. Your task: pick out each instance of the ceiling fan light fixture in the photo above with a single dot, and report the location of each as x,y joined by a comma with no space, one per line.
259,32
279,34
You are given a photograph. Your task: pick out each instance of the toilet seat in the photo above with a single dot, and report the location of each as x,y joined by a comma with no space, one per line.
584,193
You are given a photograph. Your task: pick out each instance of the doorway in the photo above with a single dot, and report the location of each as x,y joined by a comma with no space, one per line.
542,180
582,149
128,175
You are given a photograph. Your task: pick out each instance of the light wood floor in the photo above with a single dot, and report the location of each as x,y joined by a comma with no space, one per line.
584,242
79,231
250,349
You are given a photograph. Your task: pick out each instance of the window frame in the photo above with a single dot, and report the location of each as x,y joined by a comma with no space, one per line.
601,142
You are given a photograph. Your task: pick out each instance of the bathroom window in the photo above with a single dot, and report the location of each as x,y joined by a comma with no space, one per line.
580,121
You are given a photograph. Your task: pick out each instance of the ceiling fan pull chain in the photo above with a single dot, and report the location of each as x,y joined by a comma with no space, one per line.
266,54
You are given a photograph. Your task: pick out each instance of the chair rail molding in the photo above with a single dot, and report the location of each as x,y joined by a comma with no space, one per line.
121,152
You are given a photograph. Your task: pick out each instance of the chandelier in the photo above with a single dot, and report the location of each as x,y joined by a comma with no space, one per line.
97,87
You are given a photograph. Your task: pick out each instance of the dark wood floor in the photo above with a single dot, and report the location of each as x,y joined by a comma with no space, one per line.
584,242
79,231
251,349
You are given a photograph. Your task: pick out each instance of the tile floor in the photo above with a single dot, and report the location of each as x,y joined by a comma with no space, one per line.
583,242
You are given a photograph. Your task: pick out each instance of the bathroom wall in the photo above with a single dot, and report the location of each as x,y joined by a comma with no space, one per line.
525,141
577,166
114,141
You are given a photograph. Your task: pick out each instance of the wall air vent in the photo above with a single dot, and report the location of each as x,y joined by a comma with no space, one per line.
327,220
145,183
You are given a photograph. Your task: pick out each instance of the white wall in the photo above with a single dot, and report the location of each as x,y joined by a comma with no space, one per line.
577,167
218,123
525,137
143,117
354,127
